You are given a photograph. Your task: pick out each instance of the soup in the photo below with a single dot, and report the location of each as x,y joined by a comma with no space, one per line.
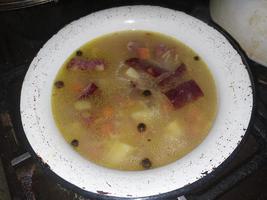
134,100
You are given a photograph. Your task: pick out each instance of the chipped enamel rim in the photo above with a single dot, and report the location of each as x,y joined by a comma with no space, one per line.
234,92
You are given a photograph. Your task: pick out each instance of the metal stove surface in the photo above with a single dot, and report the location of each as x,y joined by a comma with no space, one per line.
23,32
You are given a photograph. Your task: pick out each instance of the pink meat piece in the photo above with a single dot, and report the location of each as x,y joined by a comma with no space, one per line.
88,120
145,66
79,63
184,93
161,49
176,74
133,46
88,91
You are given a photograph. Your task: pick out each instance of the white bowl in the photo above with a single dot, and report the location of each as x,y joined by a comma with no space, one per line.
235,102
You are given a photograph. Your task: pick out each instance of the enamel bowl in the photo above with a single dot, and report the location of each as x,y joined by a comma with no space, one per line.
234,93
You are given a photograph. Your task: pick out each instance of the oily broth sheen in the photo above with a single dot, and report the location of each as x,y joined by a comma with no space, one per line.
112,138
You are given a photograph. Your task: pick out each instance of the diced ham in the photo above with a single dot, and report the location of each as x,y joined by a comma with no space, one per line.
160,50
88,91
140,50
88,120
176,74
184,93
133,46
145,66
166,55
79,63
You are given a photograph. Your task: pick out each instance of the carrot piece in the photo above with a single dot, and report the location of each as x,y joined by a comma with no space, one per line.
107,128
194,114
167,107
77,87
129,102
196,117
108,112
143,53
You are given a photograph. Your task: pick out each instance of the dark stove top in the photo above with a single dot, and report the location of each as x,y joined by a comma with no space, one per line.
22,34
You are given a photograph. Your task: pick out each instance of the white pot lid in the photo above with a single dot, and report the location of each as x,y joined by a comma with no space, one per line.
246,21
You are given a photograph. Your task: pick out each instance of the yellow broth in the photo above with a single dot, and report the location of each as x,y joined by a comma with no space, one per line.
128,123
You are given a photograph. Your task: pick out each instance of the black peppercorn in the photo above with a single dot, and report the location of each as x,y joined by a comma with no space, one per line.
132,84
146,163
79,53
147,93
59,84
75,143
196,57
141,127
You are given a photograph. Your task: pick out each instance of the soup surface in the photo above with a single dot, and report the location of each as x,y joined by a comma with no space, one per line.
134,100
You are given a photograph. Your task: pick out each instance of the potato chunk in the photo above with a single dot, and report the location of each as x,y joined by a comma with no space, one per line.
82,105
174,129
118,152
132,73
